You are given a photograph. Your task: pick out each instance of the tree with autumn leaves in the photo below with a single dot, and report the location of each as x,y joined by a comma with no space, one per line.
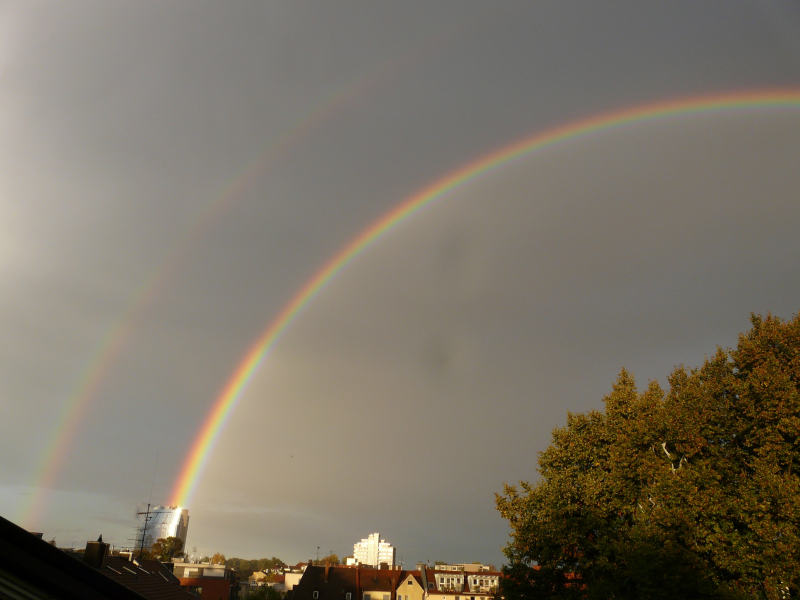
689,493
165,549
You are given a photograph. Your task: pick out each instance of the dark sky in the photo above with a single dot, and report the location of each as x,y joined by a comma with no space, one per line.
177,170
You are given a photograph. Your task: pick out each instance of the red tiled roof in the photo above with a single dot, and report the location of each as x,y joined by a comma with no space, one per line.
341,581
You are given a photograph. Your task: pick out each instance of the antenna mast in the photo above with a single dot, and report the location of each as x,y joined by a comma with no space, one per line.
147,517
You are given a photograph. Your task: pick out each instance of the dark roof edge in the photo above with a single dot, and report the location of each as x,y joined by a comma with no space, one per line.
34,560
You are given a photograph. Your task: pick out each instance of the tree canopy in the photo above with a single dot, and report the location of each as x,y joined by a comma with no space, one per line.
264,592
689,493
166,549
248,567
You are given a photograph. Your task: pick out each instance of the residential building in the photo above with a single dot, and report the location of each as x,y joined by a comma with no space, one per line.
373,551
357,583
343,583
150,578
460,567
471,584
411,587
487,582
162,522
210,582
291,579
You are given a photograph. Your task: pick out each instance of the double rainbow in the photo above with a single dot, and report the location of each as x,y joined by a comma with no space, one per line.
749,101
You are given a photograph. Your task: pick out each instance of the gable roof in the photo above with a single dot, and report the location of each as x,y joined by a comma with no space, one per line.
346,580
415,575
154,580
28,563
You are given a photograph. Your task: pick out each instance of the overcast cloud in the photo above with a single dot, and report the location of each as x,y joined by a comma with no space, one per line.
432,369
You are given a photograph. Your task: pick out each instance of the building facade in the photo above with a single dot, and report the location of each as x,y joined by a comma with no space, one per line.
348,583
373,551
161,523
209,582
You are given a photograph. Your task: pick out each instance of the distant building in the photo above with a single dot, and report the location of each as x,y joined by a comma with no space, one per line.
163,522
469,567
373,551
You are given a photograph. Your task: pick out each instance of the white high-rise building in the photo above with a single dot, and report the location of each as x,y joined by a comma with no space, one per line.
162,522
373,551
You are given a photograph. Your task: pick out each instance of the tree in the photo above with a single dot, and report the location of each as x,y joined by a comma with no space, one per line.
218,559
249,567
270,563
692,493
264,592
331,559
166,549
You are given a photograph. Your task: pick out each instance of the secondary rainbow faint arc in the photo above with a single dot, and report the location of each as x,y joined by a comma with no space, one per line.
118,333
226,401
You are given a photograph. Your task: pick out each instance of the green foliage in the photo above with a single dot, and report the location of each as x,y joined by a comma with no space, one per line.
439,562
331,558
248,567
218,559
691,493
264,592
166,549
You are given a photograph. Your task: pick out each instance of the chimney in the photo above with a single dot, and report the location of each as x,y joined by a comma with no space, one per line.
327,570
394,578
96,554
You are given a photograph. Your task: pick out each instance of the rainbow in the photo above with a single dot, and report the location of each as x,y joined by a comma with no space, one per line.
115,338
735,102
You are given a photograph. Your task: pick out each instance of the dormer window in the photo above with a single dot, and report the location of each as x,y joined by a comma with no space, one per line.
347,596
315,595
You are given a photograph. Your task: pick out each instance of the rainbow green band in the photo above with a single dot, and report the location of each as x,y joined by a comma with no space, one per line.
227,400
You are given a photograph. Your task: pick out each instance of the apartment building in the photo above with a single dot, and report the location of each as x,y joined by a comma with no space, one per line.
357,583
373,551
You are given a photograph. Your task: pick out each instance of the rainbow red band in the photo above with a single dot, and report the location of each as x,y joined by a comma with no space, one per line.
227,400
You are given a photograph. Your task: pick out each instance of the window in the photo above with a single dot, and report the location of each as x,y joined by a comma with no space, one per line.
315,595
347,596
409,582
